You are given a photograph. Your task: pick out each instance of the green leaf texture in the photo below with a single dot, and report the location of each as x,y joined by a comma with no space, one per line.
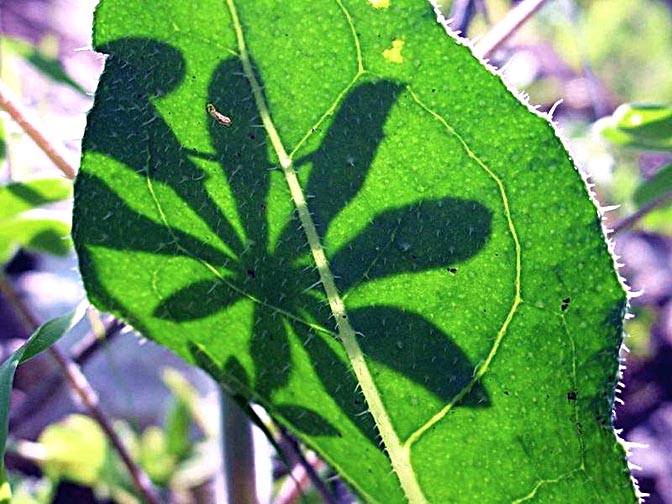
385,249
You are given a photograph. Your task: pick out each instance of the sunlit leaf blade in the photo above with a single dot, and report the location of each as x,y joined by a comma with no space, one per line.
45,336
482,312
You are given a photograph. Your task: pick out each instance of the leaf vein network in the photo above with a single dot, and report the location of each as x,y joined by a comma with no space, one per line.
339,98
219,276
398,454
484,366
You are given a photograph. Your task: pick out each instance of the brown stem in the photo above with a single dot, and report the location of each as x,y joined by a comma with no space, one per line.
81,386
305,469
296,485
39,396
506,27
238,453
13,107
632,219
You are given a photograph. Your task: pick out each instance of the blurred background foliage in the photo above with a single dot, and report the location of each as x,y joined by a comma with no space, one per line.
610,61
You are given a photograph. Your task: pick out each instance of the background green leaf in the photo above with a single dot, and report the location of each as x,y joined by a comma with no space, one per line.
40,58
641,126
18,197
45,336
23,224
482,312
654,188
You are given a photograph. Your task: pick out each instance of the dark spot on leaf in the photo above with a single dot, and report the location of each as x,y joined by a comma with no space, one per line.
565,303
571,395
252,136
506,392
452,270
251,274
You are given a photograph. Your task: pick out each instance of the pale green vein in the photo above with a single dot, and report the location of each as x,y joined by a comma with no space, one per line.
398,454
575,386
339,98
532,494
218,274
375,260
483,368
327,113
210,43
358,47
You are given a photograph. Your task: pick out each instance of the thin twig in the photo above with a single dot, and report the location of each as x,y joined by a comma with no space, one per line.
632,219
294,488
90,400
16,111
461,13
38,397
238,452
304,467
506,27
600,105
88,396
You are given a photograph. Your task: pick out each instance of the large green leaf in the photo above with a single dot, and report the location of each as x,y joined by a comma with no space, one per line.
386,249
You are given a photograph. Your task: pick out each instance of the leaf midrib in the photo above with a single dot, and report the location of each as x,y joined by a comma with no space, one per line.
398,453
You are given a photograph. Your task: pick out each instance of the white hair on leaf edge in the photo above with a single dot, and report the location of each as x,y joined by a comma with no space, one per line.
601,211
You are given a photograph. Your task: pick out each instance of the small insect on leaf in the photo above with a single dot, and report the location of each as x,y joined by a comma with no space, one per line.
218,116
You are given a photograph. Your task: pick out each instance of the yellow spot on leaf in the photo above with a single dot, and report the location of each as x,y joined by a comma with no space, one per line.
5,491
380,4
393,54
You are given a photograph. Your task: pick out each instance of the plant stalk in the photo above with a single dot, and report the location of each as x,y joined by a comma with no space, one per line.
10,104
506,27
641,212
305,469
86,393
237,453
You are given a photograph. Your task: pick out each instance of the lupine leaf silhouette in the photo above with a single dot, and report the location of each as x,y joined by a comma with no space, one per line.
376,250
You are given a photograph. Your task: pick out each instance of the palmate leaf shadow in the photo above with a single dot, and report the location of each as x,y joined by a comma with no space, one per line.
427,235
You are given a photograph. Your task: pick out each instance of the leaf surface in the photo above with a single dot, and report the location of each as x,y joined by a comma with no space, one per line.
385,249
